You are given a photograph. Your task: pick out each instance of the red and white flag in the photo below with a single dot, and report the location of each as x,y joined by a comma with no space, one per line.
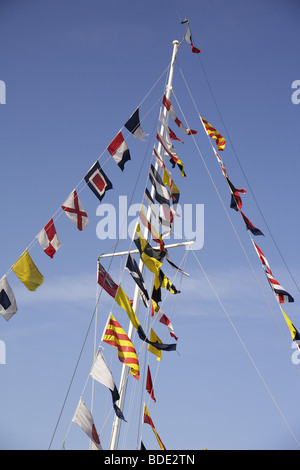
119,150
74,210
48,239
188,38
169,107
84,419
162,318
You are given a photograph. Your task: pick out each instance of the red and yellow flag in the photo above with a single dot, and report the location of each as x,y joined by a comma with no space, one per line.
214,134
116,336
147,419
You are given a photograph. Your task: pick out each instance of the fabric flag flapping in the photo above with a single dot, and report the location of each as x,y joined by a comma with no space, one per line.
168,105
105,281
132,267
161,280
156,346
169,149
48,239
294,332
147,419
250,226
188,38
150,257
149,385
27,272
282,296
116,336
84,419
163,222
73,209
8,304
155,235
168,181
97,181
224,171
162,195
214,134
236,200
133,125
162,318
101,372
119,151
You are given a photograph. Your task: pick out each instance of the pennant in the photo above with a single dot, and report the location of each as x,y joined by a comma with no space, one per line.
250,226
151,258
188,38
214,134
168,105
116,336
154,339
236,201
149,385
27,272
168,181
105,281
101,372
123,301
224,171
162,318
161,280
133,125
74,211
84,419
164,121
294,332
97,181
172,153
147,419
155,235
133,269
282,296
48,239
119,151
8,304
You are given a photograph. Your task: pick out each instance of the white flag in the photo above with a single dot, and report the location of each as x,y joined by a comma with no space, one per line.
8,305
48,239
74,210
101,372
84,419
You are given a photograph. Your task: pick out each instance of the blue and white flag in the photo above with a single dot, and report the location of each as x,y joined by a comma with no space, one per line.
97,181
136,274
8,305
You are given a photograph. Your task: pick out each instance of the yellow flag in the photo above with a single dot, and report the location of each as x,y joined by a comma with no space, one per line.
154,339
294,333
27,272
122,299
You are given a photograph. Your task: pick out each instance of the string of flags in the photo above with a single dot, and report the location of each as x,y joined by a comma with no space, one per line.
164,191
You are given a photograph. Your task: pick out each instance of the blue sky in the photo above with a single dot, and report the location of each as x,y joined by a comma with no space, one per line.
74,73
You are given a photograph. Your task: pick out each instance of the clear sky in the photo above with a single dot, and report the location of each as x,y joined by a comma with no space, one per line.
74,72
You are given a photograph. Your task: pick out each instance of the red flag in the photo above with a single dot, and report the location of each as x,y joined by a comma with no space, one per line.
149,385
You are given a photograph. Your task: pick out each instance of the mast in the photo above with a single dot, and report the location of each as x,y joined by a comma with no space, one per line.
123,381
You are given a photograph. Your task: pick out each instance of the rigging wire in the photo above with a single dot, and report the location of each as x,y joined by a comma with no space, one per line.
245,176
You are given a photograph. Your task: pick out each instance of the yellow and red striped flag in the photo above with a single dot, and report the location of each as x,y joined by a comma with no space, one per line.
214,134
116,336
147,419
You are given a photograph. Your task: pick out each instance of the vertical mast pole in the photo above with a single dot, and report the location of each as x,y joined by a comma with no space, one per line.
123,381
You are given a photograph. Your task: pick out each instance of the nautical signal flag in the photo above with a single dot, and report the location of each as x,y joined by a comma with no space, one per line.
214,134
294,332
133,125
147,419
8,304
169,149
48,239
27,272
149,385
119,150
282,296
73,209
132,267
168,105
236,200
84,419
116,336
188,38
97,181
101,372
105,281
250,226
